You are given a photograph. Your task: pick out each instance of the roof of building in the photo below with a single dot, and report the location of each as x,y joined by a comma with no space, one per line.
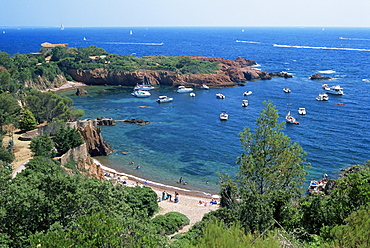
49,45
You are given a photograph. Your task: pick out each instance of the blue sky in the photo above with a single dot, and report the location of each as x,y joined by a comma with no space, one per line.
146,13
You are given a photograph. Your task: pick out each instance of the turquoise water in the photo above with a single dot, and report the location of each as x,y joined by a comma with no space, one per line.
185,138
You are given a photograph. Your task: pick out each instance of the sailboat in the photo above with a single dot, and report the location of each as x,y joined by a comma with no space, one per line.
130,31
62,27
289,118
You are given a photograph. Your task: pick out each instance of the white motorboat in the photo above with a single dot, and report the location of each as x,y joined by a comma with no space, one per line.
224,116
247,93
183,89
322,97
141,93
220,96
302,111
204,87
335,90
192,94
245,103
162,99
143,87
287,90
290,119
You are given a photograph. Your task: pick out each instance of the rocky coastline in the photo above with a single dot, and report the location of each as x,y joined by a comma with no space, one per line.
230,74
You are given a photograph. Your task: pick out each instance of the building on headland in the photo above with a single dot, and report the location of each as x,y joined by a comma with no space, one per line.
48,46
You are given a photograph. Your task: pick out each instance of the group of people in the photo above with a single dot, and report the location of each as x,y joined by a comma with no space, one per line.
181,181
211,203
168,196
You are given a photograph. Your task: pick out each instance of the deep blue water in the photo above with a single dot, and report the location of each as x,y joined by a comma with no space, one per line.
186,137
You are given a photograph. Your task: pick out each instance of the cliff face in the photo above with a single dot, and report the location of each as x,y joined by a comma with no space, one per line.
43,83
231,71
85,164
95,144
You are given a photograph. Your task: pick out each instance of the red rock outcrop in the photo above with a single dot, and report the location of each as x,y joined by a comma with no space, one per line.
231,72
95,144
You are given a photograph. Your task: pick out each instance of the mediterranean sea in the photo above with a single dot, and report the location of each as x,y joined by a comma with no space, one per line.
185,137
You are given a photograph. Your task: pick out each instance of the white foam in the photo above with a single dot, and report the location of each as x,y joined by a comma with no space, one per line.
327,72
324,48
247,41
136,43
343,38
256,65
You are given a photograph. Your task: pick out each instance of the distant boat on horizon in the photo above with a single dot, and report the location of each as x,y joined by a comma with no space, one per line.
85,38
130,32
62,27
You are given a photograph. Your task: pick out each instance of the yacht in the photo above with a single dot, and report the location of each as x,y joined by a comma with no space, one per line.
224,116
335,90
141,93
183,89
322,97
287,90
302,111
220,96
245,103
164,99
247,93
204,87
192,94
143,87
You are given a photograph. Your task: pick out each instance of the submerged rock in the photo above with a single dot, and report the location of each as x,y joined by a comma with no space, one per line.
138,122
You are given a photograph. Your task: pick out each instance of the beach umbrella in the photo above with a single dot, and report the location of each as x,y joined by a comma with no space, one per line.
215,196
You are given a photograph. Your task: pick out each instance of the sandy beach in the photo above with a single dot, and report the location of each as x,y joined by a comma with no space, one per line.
188,204
67,86
189,201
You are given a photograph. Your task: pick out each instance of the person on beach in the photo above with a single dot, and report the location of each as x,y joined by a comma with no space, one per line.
169,196
164,195
176,197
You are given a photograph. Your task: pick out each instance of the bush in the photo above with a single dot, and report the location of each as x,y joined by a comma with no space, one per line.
171,222
67,138
43,146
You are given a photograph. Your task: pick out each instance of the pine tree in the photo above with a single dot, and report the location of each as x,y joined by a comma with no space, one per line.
28,121
270,171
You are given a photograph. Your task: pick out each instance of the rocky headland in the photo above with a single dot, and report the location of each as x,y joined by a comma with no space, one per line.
230,73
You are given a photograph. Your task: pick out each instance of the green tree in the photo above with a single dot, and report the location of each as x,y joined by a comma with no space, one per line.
43,146
9,110
58,53
217,234
48,105
5,60
67,138
27,121
356,232
351,193
5,156
97,230
5,81
270,171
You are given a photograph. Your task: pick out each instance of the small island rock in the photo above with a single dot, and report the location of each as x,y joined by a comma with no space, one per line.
319,77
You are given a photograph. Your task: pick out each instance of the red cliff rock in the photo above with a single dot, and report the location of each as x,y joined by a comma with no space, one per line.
231,71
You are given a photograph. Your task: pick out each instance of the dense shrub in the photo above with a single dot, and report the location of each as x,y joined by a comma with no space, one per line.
171,222
67,138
